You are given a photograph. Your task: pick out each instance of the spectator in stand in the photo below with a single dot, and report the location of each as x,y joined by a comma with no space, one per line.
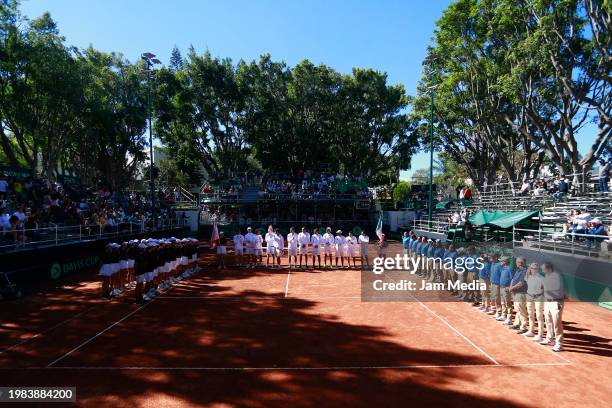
578,223
5,224
596,233
539,188
3,187
467,193
562,189
525,188
604,175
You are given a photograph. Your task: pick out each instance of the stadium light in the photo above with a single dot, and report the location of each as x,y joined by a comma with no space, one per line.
150,60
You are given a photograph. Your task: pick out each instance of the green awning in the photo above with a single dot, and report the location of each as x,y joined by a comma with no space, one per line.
503,219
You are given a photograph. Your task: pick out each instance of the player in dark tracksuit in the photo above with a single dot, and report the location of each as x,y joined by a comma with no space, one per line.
140,268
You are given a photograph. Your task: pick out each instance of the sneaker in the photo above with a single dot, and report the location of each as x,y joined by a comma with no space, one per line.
528,333
508,322
499,318
557,347
486,310
515,327
522,331
537,338
546,342
491,312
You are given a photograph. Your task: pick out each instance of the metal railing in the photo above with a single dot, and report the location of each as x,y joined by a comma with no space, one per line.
58,235
436,225
557,241
269,198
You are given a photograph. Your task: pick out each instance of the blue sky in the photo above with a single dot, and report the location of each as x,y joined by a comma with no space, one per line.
387,35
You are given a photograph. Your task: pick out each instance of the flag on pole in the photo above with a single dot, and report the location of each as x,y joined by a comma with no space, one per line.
379,226
214,238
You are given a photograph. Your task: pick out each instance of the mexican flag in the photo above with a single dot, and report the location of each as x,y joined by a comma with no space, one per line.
214,238
379,225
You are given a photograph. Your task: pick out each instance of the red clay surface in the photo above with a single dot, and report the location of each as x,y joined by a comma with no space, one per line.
262,338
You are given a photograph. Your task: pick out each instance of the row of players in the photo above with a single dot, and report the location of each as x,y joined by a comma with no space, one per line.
535,294
148,265
300,246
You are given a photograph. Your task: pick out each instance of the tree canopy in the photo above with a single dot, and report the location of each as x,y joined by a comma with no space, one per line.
515,83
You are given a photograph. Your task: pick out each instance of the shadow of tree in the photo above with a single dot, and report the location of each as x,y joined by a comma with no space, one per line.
237,348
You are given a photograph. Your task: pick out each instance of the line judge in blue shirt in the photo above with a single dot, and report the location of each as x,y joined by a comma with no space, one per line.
484,276
505,279
495,274
451,254
406,243
518,288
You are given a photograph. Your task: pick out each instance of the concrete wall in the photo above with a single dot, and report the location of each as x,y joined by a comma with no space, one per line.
586,279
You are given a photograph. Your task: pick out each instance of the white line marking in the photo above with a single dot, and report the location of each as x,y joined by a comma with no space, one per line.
48,330
287,284
100,333
330,368
267,297
456,331
556,354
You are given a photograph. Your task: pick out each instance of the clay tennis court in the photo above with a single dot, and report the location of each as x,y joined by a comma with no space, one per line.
292,338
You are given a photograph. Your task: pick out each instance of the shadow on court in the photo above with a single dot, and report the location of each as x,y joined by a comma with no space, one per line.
198,350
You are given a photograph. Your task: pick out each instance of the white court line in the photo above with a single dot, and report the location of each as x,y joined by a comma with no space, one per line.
267,297
330,368
287,284
456,331
100,333
48,330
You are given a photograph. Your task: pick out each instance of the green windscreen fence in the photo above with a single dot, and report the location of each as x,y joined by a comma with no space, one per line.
502,219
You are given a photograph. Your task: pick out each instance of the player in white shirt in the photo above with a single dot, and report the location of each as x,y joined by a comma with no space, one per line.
351,244
328,243
270,236
292,246
249,240
316,240
364,240
259,247
238,247
340,241
303,241
278,244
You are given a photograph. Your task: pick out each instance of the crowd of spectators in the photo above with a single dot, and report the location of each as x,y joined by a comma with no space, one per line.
585,227
29,206
312,186
230,189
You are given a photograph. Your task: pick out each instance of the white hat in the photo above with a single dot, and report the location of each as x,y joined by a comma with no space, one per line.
596,221
339,232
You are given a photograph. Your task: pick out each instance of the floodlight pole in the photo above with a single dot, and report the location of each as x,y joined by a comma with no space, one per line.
149,60
431,154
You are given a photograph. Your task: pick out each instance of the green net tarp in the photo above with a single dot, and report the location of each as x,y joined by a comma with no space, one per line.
503,219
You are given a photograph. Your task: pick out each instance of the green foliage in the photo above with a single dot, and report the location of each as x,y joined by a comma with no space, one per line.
517,80
308,117
401,191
